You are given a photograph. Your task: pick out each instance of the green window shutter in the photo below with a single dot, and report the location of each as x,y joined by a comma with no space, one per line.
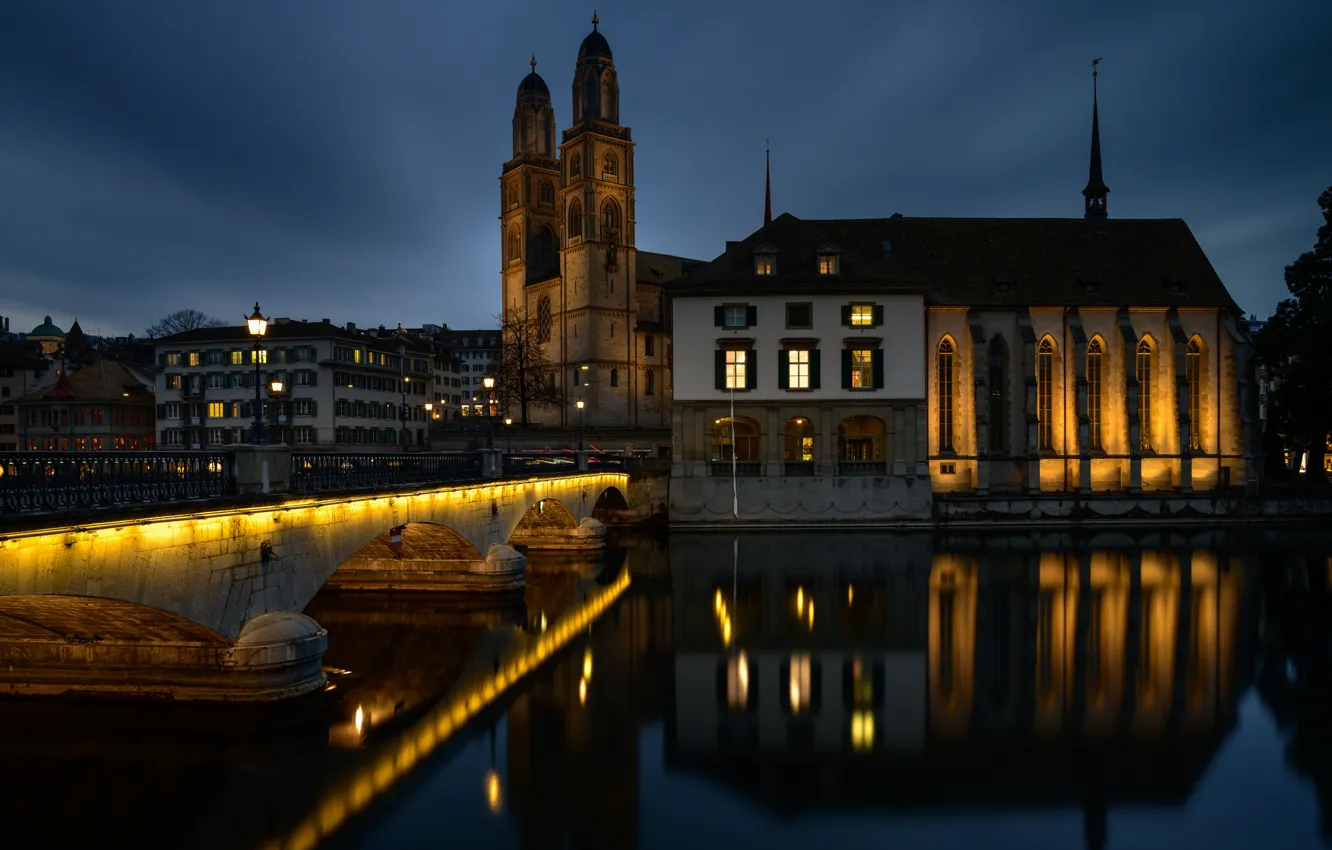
815,369
719,316
161,359
719,359
878,314
846,315
313,407
783,370
314,377
751,368
878,367
751,316
846,368
161,411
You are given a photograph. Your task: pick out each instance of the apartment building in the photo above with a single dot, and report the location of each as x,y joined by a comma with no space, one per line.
321,386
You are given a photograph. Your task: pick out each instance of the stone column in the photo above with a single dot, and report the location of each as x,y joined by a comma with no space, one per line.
1129,338
918,427
776,439
1032,482
825,444
901,449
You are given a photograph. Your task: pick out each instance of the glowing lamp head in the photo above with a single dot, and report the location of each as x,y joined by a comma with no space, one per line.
579,404
275,385
429,406
489,382
508,420
257,323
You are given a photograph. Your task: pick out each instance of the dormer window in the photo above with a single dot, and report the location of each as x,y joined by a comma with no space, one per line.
765,264
828,264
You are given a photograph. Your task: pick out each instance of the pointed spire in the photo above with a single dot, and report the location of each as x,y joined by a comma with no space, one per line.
767,183
533,63
1094,195
595,20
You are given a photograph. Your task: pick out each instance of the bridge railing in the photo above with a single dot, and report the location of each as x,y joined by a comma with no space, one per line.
55,481
322,473
558,463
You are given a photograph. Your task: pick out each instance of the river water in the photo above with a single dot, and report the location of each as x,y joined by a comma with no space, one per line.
1117,689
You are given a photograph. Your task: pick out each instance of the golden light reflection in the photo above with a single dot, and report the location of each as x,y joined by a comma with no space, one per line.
587,663
582,691
811,615
360,720
850,595
800,601
726,631
493,800
862,731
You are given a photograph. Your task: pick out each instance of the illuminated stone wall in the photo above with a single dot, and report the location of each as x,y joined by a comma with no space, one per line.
210,567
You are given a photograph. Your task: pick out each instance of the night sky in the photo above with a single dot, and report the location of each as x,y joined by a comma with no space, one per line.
339,159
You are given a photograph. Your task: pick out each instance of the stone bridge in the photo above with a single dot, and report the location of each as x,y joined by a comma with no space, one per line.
244,574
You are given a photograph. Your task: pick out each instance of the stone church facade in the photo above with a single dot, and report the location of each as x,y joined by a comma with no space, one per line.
569,257
1045,357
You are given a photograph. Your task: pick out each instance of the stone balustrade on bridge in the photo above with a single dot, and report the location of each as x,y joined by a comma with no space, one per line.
233,546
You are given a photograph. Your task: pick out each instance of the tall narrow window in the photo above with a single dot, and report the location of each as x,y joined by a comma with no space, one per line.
998,412
546,194
575,219
1094,352
797,367
576,166
609,164
1145,394
1192,374
515,246
610,217
944,375
735,369
1045,393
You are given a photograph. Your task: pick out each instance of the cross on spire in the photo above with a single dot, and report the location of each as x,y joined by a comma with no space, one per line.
595,20
533,63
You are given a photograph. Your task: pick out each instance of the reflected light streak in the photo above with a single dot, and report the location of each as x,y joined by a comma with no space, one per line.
493,801
800,601
411,746
587,663
582,691
360,720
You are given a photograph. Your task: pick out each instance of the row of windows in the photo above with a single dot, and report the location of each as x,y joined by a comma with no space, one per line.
827,264
95,444
799,369
860,439
236,357
239,380
83,416
1145,367
799,315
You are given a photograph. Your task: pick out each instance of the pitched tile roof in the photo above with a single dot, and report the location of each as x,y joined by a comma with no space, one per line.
657,268
286,330
101,380
977,261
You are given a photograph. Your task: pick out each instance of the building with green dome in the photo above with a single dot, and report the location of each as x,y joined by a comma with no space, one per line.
50,337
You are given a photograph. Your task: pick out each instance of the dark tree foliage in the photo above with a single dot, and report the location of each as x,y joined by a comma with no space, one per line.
1295,347
181,321
526,378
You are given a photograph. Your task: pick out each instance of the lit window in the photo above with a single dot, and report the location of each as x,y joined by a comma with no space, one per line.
194,358
862,369
737,681
1192,374
173,359
862,315
734,317
1094,352
1144,394
735,370
765,264
1045,393
217,409
827,264
797,369
944,375
800,685
862,731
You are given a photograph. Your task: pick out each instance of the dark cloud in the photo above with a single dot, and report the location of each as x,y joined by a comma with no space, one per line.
340,158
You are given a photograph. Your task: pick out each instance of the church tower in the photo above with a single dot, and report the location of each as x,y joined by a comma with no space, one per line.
598,340
1094,195
529,194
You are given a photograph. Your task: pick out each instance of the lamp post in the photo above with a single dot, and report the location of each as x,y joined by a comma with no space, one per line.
579,405
429,406
258,326
275,386
508,433
489,383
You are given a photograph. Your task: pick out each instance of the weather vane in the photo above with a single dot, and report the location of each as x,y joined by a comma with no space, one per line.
595,19
1095,62
533,63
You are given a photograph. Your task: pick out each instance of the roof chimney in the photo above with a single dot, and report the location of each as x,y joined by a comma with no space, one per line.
351,326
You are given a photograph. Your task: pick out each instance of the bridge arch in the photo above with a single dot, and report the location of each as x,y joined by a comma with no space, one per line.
610,505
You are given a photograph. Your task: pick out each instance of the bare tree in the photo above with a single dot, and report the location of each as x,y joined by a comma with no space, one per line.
526,378
181,321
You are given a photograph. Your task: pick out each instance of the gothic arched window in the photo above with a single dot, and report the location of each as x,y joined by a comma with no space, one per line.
513,194
610,218
1145,358
546,194
615,377
575,219
576,165
1094,351
998,412
1193,375
609,164
515,246
1045,393
544,319
944,377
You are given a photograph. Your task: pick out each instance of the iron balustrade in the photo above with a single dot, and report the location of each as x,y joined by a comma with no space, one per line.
54,481
550,463
317,473
741,469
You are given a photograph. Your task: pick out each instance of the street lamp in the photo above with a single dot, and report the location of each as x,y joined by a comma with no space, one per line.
579,405
275,385
508,432
489,383
429,406
258,326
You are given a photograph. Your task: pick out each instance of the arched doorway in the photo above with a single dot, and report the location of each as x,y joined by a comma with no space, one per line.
860,445
798,446
738,440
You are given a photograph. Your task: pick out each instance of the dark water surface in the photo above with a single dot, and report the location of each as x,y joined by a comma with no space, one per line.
1124,690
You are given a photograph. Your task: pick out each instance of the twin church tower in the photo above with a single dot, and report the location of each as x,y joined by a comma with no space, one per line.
568,257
